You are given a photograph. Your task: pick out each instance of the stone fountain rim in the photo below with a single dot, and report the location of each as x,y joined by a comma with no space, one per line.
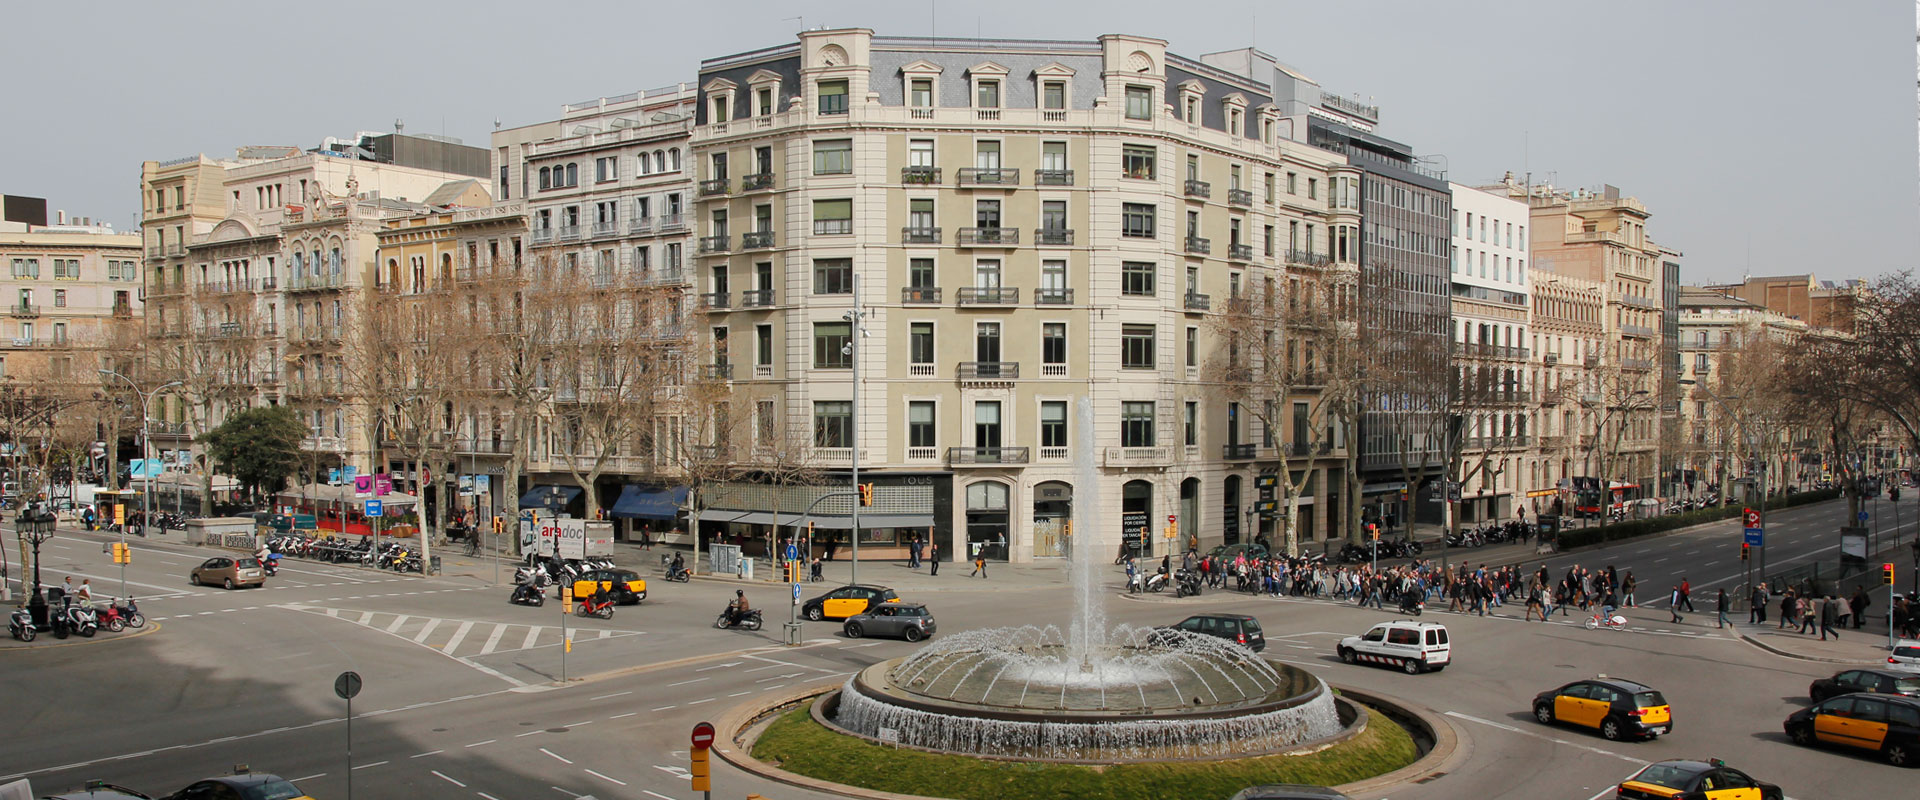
919,702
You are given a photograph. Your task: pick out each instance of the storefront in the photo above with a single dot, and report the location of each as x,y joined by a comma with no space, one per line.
989,520
1052,520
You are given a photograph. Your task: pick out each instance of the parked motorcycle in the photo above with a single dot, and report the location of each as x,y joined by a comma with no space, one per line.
20,624
1611,621
748,621
130,612
79,618
528,594
1186,583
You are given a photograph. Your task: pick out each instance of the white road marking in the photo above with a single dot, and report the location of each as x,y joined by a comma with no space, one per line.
358,767
615,694
366,618
310,777
493,640
421,637
698,702
533,633
663,708
739,694
781,677
718,666
491,797
528,733
628,714
489,741
1555,740
683,683
571,794
428,753
555,755
773,687
443,776
603,777
656,794
397,623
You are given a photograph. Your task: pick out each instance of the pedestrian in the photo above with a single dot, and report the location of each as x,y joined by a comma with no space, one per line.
1686,593
1829,614
1859,604
1757,606
1787,606
1673,603
1626,589
1533,603
833,543
979,566
1806,609
913,553
933,553
84,596
1721,621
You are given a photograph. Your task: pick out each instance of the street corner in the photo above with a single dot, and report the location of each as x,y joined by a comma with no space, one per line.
1858,648
44,640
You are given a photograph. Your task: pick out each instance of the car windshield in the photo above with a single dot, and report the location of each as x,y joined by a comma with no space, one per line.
272,790
1663,775
623,575
1648,699
1906,685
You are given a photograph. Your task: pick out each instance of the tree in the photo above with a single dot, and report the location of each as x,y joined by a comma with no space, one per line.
259,447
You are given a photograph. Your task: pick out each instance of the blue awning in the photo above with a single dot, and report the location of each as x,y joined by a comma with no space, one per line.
649,502
552,498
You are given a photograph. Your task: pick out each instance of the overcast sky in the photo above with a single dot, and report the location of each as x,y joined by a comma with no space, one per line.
1764,136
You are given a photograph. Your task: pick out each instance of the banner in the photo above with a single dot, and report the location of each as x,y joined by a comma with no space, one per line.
563,538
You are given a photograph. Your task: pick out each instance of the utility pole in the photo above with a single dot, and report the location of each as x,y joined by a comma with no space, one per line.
146,463
856,330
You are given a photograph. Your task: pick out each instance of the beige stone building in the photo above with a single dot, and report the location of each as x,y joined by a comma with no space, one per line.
1816,303
1714,328
1565,359
72,294
994,235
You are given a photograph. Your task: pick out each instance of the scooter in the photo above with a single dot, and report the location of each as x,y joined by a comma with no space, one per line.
748,621
79,618
594,605
110,618
1157,581
680,575
130,612
1411,603
20,624
528,594
1187,583
1611,621
271,564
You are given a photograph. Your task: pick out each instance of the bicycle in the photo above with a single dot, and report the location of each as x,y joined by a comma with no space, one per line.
473,546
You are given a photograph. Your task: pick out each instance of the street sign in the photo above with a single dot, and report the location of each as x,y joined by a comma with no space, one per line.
702,735
347,685
1756,537
373,508
792,551
1266,481
796,594
1753,518
1863,517
1267,506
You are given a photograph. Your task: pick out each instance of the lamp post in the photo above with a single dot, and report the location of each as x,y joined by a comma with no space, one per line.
35,526
146,466
856,331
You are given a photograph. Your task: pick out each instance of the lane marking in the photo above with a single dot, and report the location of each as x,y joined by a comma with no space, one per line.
1555,740
368,766
698,702
603,777
443,776
615,694
528,733
663,708
397,623
421,637
533,633
571,794
489,741
683,683
493,640
428,753
717,666
310,777
656,794
628,714
459,635
563,760
491,797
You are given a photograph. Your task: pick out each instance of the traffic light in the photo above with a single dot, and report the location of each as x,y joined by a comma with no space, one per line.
122,554
1745,550
866,494
1886,573
499,525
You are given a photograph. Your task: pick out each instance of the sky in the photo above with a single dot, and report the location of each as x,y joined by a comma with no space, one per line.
1765,136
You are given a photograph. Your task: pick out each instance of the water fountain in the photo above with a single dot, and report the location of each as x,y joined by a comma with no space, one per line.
1091,692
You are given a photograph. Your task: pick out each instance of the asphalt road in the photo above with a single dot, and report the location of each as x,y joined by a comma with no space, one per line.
460,698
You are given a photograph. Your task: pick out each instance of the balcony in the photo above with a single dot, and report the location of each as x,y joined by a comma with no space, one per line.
1590,362
717,372
1300,449
920,176
23,310
1550,359
1053,297
1640,302
987,370
1199,189
1198,246
1053,237
176,249
1636,364
671,222
1237,305
1240,252
311,283
919,295
605,229
1195,301
1238,452
640,226
1053,177
1637,331
988,176
122,310
985,456
988,296
1137,456
1240,197
568,232
919,235
716,301
756,240
711,188
497,446
987,237
1553,442
542,235
709,245
1307,258
757,182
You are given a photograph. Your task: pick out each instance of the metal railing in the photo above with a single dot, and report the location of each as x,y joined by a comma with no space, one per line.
1053,177
988,176
1240,252
717,372
569,232
715,244
988,296
919,294
987,237
756,182
1308,258
1238,452
756,298
1195,301
1199,245
970,456
756,240
716,301
911,235
920,176
1200,189
1059,237
987,370
1240,197
1053,297
711,188
608,228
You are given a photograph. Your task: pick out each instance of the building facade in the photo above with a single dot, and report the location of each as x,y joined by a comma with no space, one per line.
72,301
1565,344
1494,388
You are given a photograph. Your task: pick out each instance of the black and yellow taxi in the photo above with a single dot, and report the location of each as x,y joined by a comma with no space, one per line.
1879,723
625,586
1865,681
1694,780
847,601
1617,708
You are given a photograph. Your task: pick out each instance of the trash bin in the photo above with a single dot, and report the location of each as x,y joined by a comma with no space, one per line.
746,568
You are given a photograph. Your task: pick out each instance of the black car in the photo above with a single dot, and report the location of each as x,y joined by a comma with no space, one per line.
1616,708
245,786
1711,780
1233,627
100,790
1875,681
1884,724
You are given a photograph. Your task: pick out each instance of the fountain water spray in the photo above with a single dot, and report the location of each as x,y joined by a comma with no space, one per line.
1088,631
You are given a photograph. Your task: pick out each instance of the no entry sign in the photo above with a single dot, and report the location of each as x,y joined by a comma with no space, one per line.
703,736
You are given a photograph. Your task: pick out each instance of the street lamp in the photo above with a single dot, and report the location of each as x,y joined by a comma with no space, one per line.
35,526
146,465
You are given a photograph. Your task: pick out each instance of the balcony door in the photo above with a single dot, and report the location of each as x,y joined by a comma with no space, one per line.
986,344
986,214
986,424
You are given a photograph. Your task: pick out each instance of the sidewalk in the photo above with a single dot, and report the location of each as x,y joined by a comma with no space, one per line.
1861,647
892,573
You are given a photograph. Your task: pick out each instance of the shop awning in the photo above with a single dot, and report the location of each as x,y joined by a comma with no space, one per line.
550,497
833,522
649,502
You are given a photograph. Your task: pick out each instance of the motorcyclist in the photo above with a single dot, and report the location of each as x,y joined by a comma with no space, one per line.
737,608
678,566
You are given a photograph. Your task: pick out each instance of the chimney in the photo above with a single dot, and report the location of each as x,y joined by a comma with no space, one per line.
60,217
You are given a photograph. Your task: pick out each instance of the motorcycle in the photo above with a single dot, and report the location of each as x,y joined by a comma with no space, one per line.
1133,583
1187,584
271,564
528,594
748,621
80,619
1412,603
110,618
1157,581
594,605
1612,621
20,624
130,613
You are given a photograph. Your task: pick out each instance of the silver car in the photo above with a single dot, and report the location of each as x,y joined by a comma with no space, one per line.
909,621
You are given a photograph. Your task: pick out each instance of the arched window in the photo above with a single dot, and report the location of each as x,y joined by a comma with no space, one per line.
393,273
446,269
315,263
646,164
546,178
573,174
333,261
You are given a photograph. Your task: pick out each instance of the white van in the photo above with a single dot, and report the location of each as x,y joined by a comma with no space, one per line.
1414,647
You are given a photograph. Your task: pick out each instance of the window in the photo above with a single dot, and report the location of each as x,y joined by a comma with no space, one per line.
763,345
920,429
833,157
1053,343
921,93
920,153
1137,346
986,213
832,217
1053,95
986,424
1137,162
1193,167
1293,183
1053,423
1138,278
833,276
1193,347
763,102
1136,424
830,340
1190,423
833,97
59,298
1053,156
920,214
986,155
920,343
606,169
1053,215
1139,102
986,342
920,273
832,423
1136,220
1313,188
1268,234
987,94
1053,279
986,273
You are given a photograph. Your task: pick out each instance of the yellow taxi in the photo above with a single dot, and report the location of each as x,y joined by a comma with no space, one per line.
1694,780
847,601
1884,724
1618,709
625,586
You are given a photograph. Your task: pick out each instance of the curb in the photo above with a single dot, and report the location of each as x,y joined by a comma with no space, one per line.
17,646
735,744
1789,654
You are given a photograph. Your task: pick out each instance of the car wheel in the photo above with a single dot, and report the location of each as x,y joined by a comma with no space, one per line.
1411,666
1899,754
1610,728
815,615
912,634
1801,734
193,579
853,630
1543,712
1347,655
229,584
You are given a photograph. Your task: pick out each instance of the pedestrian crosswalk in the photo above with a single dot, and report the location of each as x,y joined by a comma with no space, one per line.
465,639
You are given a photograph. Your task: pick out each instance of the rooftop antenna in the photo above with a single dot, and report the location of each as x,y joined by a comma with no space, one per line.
933,20
801,19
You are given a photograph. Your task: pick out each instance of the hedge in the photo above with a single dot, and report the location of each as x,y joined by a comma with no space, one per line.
1641,527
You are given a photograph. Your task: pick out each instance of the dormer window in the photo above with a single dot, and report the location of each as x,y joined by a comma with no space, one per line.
833,97
1053,95
921,95
1192,115
721,104
764,86
763,102
987,94
1139,102
1191,93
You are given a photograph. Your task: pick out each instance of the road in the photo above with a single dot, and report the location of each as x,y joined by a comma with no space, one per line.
460,698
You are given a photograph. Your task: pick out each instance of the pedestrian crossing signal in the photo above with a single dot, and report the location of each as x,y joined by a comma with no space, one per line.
866,494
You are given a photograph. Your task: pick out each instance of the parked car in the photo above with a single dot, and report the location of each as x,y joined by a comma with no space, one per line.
909,621
1905,656
245,786
1870,681
229,571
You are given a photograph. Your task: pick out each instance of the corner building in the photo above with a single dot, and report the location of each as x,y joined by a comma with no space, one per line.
1027,225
